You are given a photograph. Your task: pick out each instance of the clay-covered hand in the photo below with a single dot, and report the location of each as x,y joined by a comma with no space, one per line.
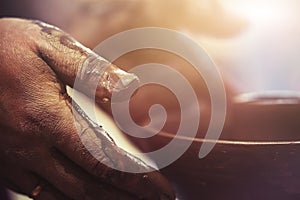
39,140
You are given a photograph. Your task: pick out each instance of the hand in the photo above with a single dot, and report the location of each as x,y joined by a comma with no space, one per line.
39,143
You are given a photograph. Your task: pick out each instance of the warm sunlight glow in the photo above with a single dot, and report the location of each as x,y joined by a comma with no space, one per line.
258,11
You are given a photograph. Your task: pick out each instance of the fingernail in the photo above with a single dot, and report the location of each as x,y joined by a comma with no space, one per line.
125,87
98,74
126,80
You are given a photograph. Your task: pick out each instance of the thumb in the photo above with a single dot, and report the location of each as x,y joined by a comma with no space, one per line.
77,65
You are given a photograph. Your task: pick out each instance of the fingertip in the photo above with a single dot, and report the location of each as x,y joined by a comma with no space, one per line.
149,186
161,185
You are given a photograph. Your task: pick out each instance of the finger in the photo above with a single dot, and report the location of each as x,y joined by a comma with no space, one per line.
67,177
72,62
107,162
51,111
27,183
